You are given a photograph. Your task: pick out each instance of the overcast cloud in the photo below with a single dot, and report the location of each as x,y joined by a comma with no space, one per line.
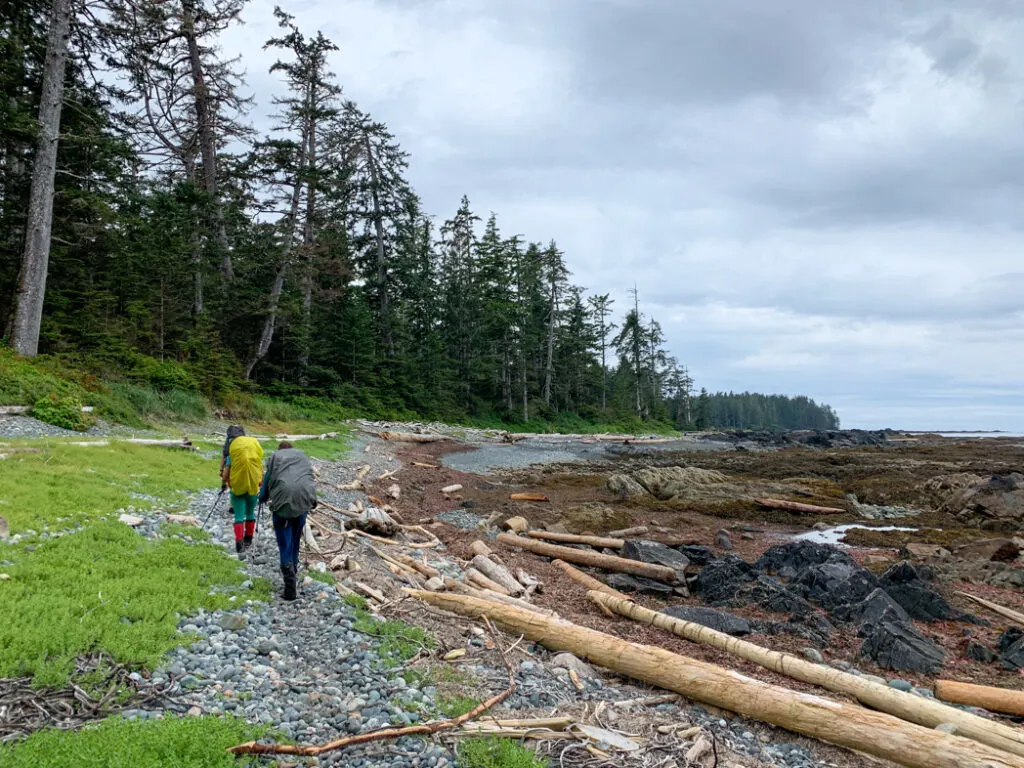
822,197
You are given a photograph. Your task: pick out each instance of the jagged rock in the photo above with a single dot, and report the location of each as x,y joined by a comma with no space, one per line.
720,580
595,517
898,646
1011,648
234,622
994,504
625,487
709,617
573,663
998,550
906,585
790,559
979,652
873,610
653,552
814,628
923,551
666,482
697,554
723,540
133,520
840,581
772,595
626,583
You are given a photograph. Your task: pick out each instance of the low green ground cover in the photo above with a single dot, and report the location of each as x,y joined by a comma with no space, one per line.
107,588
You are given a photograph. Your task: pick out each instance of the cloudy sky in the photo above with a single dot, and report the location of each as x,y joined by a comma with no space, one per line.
813,196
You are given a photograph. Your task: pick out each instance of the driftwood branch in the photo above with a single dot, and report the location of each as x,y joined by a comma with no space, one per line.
587,557
253,748
796,506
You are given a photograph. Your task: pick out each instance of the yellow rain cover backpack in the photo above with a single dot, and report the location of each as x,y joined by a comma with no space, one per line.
246,466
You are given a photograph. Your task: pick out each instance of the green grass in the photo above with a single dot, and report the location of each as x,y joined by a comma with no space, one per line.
107,588
493,752
397,641
169,529
456,705
324,578
76,483
192,742
330,448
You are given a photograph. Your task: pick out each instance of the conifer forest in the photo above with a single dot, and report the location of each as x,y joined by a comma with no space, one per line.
145,222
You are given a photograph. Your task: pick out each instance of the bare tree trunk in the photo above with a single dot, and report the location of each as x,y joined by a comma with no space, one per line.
198,304
31,291
549,367
270,322
308,239
207,137
382,272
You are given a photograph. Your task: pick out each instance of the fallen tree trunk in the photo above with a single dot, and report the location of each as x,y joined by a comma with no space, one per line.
595,559
184,443
292,438
985,696
599,542
1001,610
587,580
906,706
846,725
476,577
626,533
421,567
528,497
498,573
411,437
796,506
494,597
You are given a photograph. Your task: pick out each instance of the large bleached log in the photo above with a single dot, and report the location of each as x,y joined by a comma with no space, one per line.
906,706
587,580
595,559
1007,613
796,506
482,594
985,696
847,725
497,573
600,542
475,577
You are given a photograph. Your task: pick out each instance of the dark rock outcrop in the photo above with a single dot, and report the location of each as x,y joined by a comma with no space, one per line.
709,617
697,554
722,581
626,583
898,646
790,560
907,586
653,552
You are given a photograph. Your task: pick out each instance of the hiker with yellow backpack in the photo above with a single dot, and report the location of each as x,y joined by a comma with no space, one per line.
242,471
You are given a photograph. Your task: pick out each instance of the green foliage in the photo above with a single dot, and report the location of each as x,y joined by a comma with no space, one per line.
64,412
169,529
183,742
24,382
71,483
324,578
107,588
398,641
494,752
456,705
358,602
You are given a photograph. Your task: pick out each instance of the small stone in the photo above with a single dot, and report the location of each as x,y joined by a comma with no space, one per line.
723,540
901,685
813,654
194,712
233,622
133,520
5,577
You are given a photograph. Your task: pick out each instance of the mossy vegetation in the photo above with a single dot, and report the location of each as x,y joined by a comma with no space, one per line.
107,588
494,752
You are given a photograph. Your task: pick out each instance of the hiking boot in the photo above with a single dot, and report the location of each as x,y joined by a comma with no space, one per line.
290,582
240,549
247,543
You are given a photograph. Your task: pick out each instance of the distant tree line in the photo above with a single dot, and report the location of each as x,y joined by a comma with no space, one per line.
748,410
141,214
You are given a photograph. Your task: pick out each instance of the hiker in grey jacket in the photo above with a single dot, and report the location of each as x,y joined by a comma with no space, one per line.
289,489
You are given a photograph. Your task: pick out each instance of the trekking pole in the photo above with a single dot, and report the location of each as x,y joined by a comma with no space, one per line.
210,513
256,537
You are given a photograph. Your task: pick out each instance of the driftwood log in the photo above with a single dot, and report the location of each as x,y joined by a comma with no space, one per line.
626,533
993,699
599,542
480,594
906,706
411,437
796,506
528,497
847,725
595,559
588,581
498,573
483,582
1001,610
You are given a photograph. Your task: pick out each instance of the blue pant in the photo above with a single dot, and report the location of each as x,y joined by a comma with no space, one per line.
288,531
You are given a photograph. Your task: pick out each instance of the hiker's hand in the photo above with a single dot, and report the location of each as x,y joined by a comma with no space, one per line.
223,487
